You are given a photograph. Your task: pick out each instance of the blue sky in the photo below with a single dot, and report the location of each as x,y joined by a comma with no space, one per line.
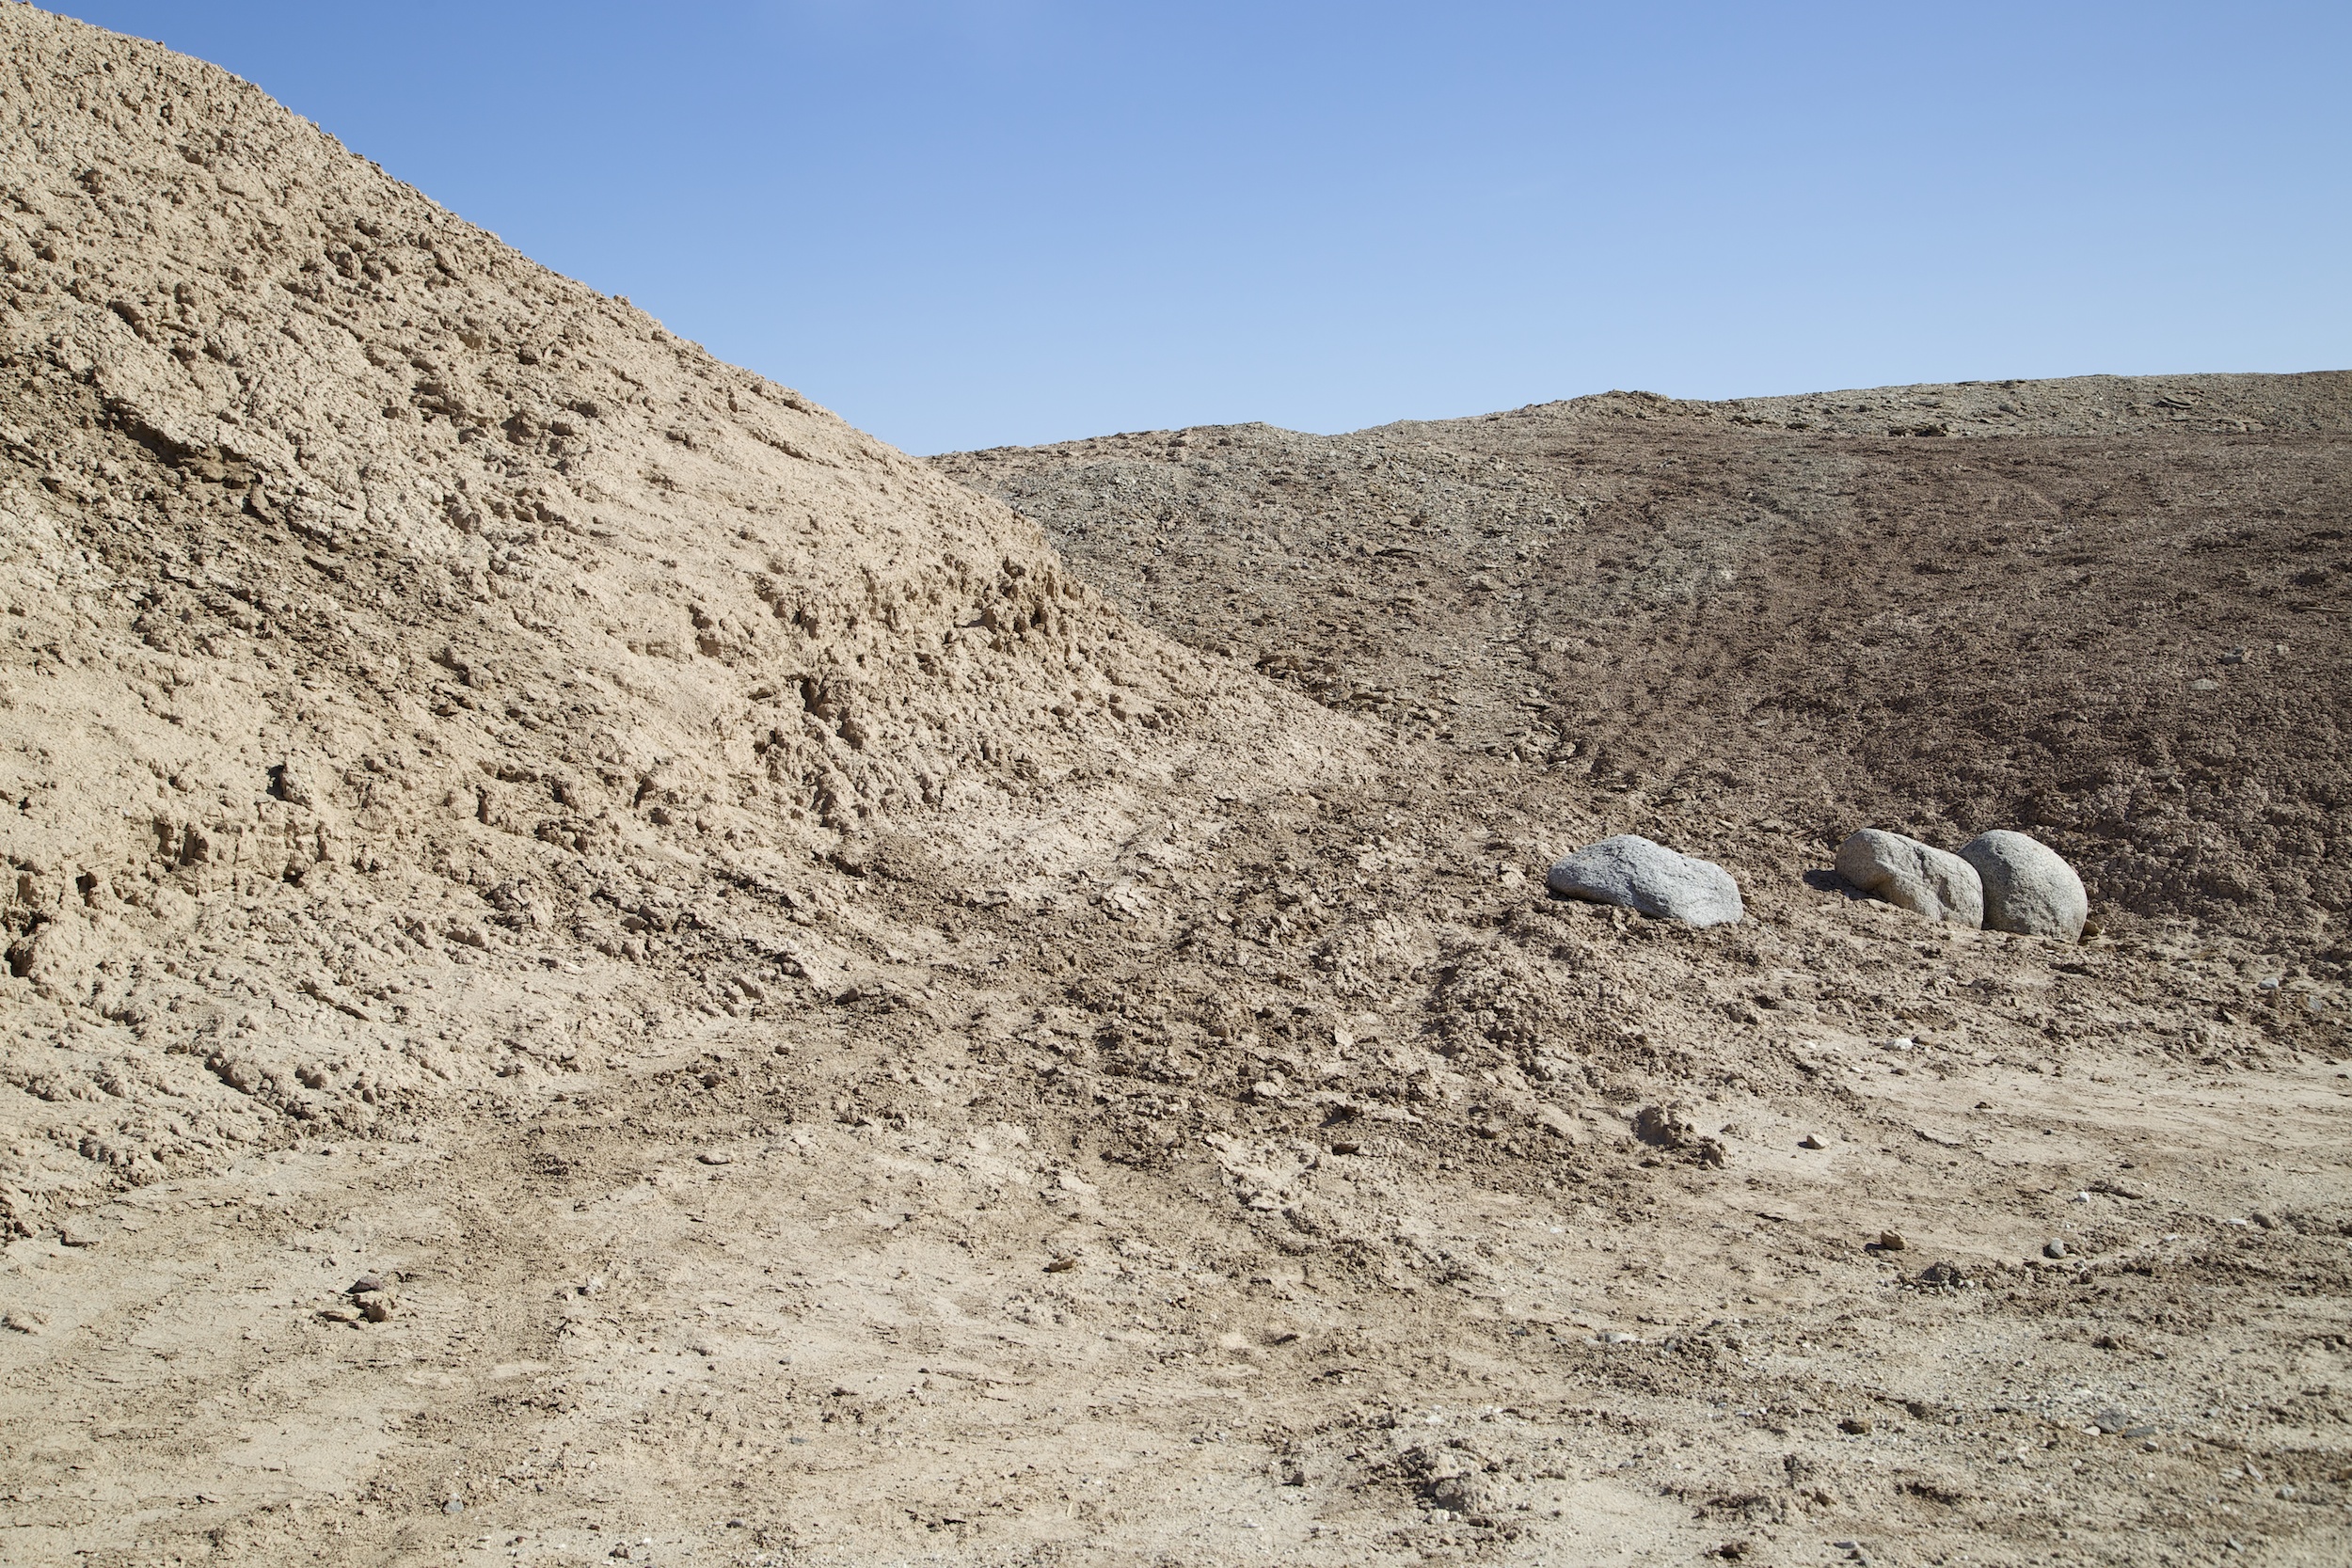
973,222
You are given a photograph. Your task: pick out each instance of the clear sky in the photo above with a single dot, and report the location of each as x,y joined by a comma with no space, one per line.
971,222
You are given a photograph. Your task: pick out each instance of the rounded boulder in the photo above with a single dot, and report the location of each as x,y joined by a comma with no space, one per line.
1633,873
2028,887
1913,876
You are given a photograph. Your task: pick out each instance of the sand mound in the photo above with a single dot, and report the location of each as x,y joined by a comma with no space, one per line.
373,592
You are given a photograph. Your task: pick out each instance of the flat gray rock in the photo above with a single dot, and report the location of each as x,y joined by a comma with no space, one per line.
2028,887
1913,876
1632,873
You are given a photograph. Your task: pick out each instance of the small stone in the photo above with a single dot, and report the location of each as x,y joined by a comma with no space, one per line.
2269,1222
374,1305
1810,1141
2028,887
1942,1276
715,1157
1633,873
1913,876
1063,1264
2112,1421
1890,1240
1855,1426
456,1505
77,1233
1347,1148
340,1314
2054,1248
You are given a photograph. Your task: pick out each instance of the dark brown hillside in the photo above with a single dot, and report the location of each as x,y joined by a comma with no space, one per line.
2128,632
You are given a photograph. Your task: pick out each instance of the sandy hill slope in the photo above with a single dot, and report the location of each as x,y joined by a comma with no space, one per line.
374,593
601,968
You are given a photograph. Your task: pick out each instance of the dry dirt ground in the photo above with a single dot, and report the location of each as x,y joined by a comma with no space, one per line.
848,1023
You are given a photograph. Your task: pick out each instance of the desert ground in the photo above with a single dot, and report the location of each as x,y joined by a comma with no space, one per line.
604,968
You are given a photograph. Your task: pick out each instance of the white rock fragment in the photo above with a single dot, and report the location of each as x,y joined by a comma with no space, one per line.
1632,873
2028,887
1913,876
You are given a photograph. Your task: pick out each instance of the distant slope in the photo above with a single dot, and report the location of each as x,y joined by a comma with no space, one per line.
1777,608
2311,404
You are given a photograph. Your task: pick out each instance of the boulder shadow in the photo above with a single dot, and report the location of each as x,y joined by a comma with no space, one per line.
1826,880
